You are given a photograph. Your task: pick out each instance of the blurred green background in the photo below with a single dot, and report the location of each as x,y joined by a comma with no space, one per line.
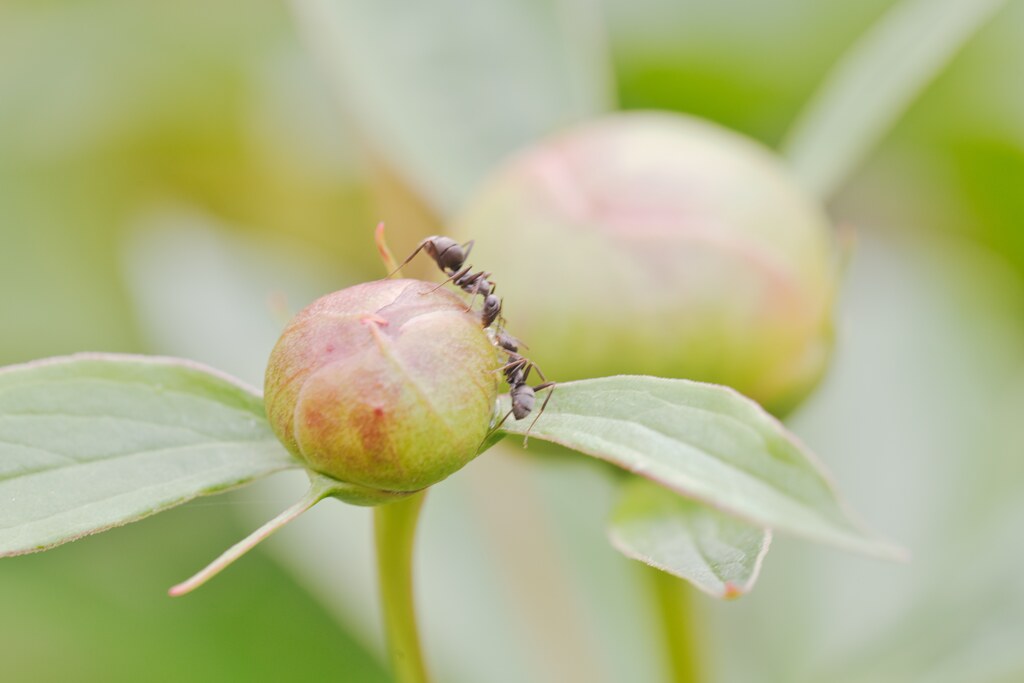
174,177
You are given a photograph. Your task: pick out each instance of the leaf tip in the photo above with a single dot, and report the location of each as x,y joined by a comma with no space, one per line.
731,591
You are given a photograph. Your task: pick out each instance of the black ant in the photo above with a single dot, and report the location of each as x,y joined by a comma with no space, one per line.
517,372
450,257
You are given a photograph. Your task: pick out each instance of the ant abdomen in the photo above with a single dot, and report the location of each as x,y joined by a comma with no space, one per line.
523,398
491,310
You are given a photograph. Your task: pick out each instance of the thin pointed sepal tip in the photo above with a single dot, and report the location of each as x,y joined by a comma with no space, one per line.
192,583
386,257
179,590
315,494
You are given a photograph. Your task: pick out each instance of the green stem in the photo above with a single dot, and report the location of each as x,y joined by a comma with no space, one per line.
395,527
673,601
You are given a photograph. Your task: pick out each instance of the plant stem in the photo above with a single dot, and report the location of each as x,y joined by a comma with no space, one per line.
673,601
395,529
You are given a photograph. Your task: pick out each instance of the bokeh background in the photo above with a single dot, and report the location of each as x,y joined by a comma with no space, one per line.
176,177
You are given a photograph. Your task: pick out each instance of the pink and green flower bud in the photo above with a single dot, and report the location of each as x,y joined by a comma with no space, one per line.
660,244
387,385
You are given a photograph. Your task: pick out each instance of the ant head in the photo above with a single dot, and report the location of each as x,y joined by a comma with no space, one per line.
448,253
506,340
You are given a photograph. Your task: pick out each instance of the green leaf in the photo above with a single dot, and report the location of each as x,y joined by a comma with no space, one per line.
717,553
705,442
875,82
93,441
444,90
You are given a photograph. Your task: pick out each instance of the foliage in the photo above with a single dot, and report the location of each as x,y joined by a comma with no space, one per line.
222,115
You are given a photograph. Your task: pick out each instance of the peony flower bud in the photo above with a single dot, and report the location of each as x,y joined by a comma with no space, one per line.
660,244
388,385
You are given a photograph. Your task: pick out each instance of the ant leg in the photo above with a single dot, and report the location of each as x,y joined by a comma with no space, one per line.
451,277
517,361
498,426
526,373
468,246
542,377
411,257
511,364
479,281
539,387
475,292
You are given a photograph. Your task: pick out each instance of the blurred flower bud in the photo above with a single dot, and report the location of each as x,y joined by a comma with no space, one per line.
387,385
660,244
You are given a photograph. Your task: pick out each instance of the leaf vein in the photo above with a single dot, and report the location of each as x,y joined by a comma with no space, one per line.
133,454
663,436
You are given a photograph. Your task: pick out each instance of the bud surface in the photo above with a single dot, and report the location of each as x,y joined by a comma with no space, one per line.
661,244
387,385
